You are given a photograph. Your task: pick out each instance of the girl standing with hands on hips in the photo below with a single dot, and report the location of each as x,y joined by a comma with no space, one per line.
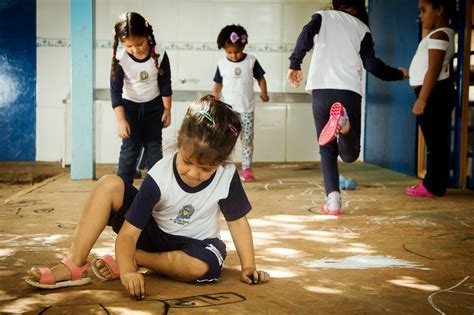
171,224
342,46
429,76
234,79
140,88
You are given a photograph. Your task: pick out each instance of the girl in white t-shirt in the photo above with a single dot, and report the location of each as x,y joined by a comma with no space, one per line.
140,89
171,224
342,44
233,84
429,76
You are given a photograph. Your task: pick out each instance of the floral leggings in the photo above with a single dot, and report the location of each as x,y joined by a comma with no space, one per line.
246,138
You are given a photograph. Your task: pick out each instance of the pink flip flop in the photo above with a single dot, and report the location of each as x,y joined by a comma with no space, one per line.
47,280
110,263
333,125
418,191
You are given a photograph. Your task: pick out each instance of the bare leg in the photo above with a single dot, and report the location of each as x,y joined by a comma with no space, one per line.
176,264
107,196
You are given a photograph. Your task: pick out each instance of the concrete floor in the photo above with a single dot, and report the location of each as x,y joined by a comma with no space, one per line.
386,253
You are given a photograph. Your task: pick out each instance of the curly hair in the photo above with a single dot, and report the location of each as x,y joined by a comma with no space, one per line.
232,35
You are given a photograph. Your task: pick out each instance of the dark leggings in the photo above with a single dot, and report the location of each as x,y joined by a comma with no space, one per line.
347,146
146,131
435,123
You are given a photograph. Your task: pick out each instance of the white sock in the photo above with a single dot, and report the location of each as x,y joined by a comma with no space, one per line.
333,201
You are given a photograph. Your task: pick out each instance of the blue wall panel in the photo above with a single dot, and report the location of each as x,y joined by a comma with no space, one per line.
17,80
390,138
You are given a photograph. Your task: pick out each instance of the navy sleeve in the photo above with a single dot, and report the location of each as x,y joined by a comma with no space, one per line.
142,206
116,85
305,41
374,65
236,205
217,76
258,71
164,79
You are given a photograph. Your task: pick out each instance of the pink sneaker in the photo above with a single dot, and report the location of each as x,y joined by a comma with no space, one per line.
247,175
337,120
418,191
333,204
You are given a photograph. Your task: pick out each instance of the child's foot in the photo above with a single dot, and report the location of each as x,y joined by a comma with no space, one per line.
418,191
338,123
332,205
247,175
65,274
105,268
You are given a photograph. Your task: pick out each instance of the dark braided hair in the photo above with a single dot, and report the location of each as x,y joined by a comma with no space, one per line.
133,24
210,130
357,5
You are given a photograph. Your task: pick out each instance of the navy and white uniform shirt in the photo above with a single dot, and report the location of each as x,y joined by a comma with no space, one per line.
188,211
341,41
237,82
138,80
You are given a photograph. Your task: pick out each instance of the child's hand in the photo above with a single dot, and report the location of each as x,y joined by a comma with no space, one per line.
252,276
406,75
419,107
166,118
264,97
123,129
295,77
134,283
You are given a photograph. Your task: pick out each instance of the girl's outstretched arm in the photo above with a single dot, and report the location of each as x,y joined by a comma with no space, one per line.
125,247
242,237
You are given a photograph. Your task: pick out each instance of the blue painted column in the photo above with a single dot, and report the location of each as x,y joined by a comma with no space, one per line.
82,89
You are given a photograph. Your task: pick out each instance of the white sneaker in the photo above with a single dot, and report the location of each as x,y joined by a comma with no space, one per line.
333,204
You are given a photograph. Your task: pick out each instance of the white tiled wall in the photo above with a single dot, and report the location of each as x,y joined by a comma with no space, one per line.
186,28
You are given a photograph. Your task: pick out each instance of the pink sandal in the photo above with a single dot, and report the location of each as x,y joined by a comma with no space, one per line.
418,191
47,280
110,263
333,126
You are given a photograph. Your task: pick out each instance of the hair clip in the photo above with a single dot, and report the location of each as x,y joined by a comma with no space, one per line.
114,53
233,130
234,37
207,116
153,49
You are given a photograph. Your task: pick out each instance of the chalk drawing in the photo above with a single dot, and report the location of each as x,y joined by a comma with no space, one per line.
433,304
40,243
361,262
404,219
463,221
158,306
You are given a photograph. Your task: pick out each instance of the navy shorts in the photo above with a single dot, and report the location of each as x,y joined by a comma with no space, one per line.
153,240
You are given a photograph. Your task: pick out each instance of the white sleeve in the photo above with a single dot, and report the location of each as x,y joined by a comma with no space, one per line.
438,44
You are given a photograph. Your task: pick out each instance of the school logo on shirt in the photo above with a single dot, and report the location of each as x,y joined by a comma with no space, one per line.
143,75
237,71
184,215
